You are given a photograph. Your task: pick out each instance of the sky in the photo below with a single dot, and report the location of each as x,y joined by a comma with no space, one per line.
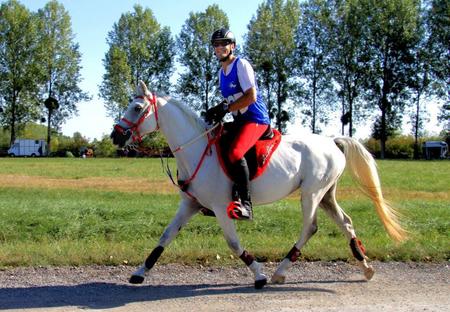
93,19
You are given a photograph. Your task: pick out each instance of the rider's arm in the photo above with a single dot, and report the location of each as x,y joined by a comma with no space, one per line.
246,78
245,100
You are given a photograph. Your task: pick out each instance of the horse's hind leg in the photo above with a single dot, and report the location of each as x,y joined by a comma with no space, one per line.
332,208
310,202
187,209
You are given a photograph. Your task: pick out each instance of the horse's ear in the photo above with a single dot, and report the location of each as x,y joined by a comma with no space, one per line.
142,88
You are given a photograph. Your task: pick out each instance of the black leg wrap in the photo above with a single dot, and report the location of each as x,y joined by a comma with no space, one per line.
293,254
247,258
153,257
357,247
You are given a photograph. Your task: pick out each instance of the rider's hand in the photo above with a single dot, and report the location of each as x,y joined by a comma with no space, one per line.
216,113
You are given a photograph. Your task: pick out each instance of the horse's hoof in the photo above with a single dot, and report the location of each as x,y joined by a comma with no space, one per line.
259,284
369,272
136,279
278,279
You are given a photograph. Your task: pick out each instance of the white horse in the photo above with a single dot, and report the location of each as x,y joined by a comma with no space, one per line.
313,163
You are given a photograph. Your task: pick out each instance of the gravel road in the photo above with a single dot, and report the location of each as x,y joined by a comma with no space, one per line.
311,286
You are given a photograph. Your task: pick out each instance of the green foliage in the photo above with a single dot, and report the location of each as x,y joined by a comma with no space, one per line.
5,137
270,47
316,93
104,147
59,63
139,49
438,25
347,52
391,31
199,82
117,87
19,71
39,60
397,147
380,54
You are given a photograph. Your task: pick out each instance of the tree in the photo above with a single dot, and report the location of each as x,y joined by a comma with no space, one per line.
438,27
270,46
59,62
314,64
420,83
139,49
199,83
19,72
390,33
104,147
345,28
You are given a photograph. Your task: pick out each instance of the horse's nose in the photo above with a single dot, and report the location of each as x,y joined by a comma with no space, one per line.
115,138
120,137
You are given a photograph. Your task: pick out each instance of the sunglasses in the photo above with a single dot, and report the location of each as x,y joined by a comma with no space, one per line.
217,44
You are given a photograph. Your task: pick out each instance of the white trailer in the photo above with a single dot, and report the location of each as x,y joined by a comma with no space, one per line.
26,147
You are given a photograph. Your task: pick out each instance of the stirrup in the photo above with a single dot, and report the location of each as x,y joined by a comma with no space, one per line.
237,211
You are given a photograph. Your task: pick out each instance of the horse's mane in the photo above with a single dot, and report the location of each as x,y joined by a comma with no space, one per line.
193,118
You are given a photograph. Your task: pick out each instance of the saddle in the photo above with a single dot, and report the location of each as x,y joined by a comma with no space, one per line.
258,157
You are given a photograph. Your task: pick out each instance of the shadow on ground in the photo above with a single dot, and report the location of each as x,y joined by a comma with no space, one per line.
110,295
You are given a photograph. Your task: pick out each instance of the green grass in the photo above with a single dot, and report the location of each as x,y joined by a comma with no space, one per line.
61,226
76,168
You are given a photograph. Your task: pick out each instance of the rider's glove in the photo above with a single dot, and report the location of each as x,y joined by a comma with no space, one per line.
216,113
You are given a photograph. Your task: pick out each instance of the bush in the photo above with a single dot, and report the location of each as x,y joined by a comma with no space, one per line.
401,147
398,147
104,147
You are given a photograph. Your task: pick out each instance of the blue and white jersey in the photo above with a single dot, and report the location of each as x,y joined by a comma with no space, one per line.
239,78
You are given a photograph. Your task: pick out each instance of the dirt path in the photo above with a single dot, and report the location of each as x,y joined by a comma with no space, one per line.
312,286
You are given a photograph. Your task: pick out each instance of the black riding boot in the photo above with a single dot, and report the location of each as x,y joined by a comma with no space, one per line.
241,191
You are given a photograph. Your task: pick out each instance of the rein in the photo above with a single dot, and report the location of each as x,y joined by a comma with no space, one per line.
181,147
181,184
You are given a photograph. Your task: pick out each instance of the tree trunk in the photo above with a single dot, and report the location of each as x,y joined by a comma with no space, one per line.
207,96
13,119
313,119
269,103
383,131
416,128
350,122
343,113
279,107
49,131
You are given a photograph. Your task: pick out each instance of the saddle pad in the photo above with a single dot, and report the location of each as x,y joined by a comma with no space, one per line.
258,157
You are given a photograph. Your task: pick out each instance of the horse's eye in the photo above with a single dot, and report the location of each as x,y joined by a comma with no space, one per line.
137,108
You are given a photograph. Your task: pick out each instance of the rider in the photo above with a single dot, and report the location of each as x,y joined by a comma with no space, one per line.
251,118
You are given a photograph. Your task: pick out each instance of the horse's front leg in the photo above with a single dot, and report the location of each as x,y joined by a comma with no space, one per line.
186,210
230,234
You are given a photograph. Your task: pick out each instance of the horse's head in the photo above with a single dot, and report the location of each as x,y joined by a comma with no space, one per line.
136,121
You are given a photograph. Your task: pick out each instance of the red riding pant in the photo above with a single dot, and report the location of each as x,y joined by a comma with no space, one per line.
246,137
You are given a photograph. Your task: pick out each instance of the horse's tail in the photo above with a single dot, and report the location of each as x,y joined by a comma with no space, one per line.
363,168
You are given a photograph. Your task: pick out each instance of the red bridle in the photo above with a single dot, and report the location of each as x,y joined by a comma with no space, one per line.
134,126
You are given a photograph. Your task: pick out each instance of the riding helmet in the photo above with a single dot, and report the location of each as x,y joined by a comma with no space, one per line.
223,34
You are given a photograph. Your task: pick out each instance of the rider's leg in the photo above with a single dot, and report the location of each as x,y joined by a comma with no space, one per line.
246,137
241,177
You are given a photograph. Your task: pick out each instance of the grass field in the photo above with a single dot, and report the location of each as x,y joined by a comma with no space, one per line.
113,211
